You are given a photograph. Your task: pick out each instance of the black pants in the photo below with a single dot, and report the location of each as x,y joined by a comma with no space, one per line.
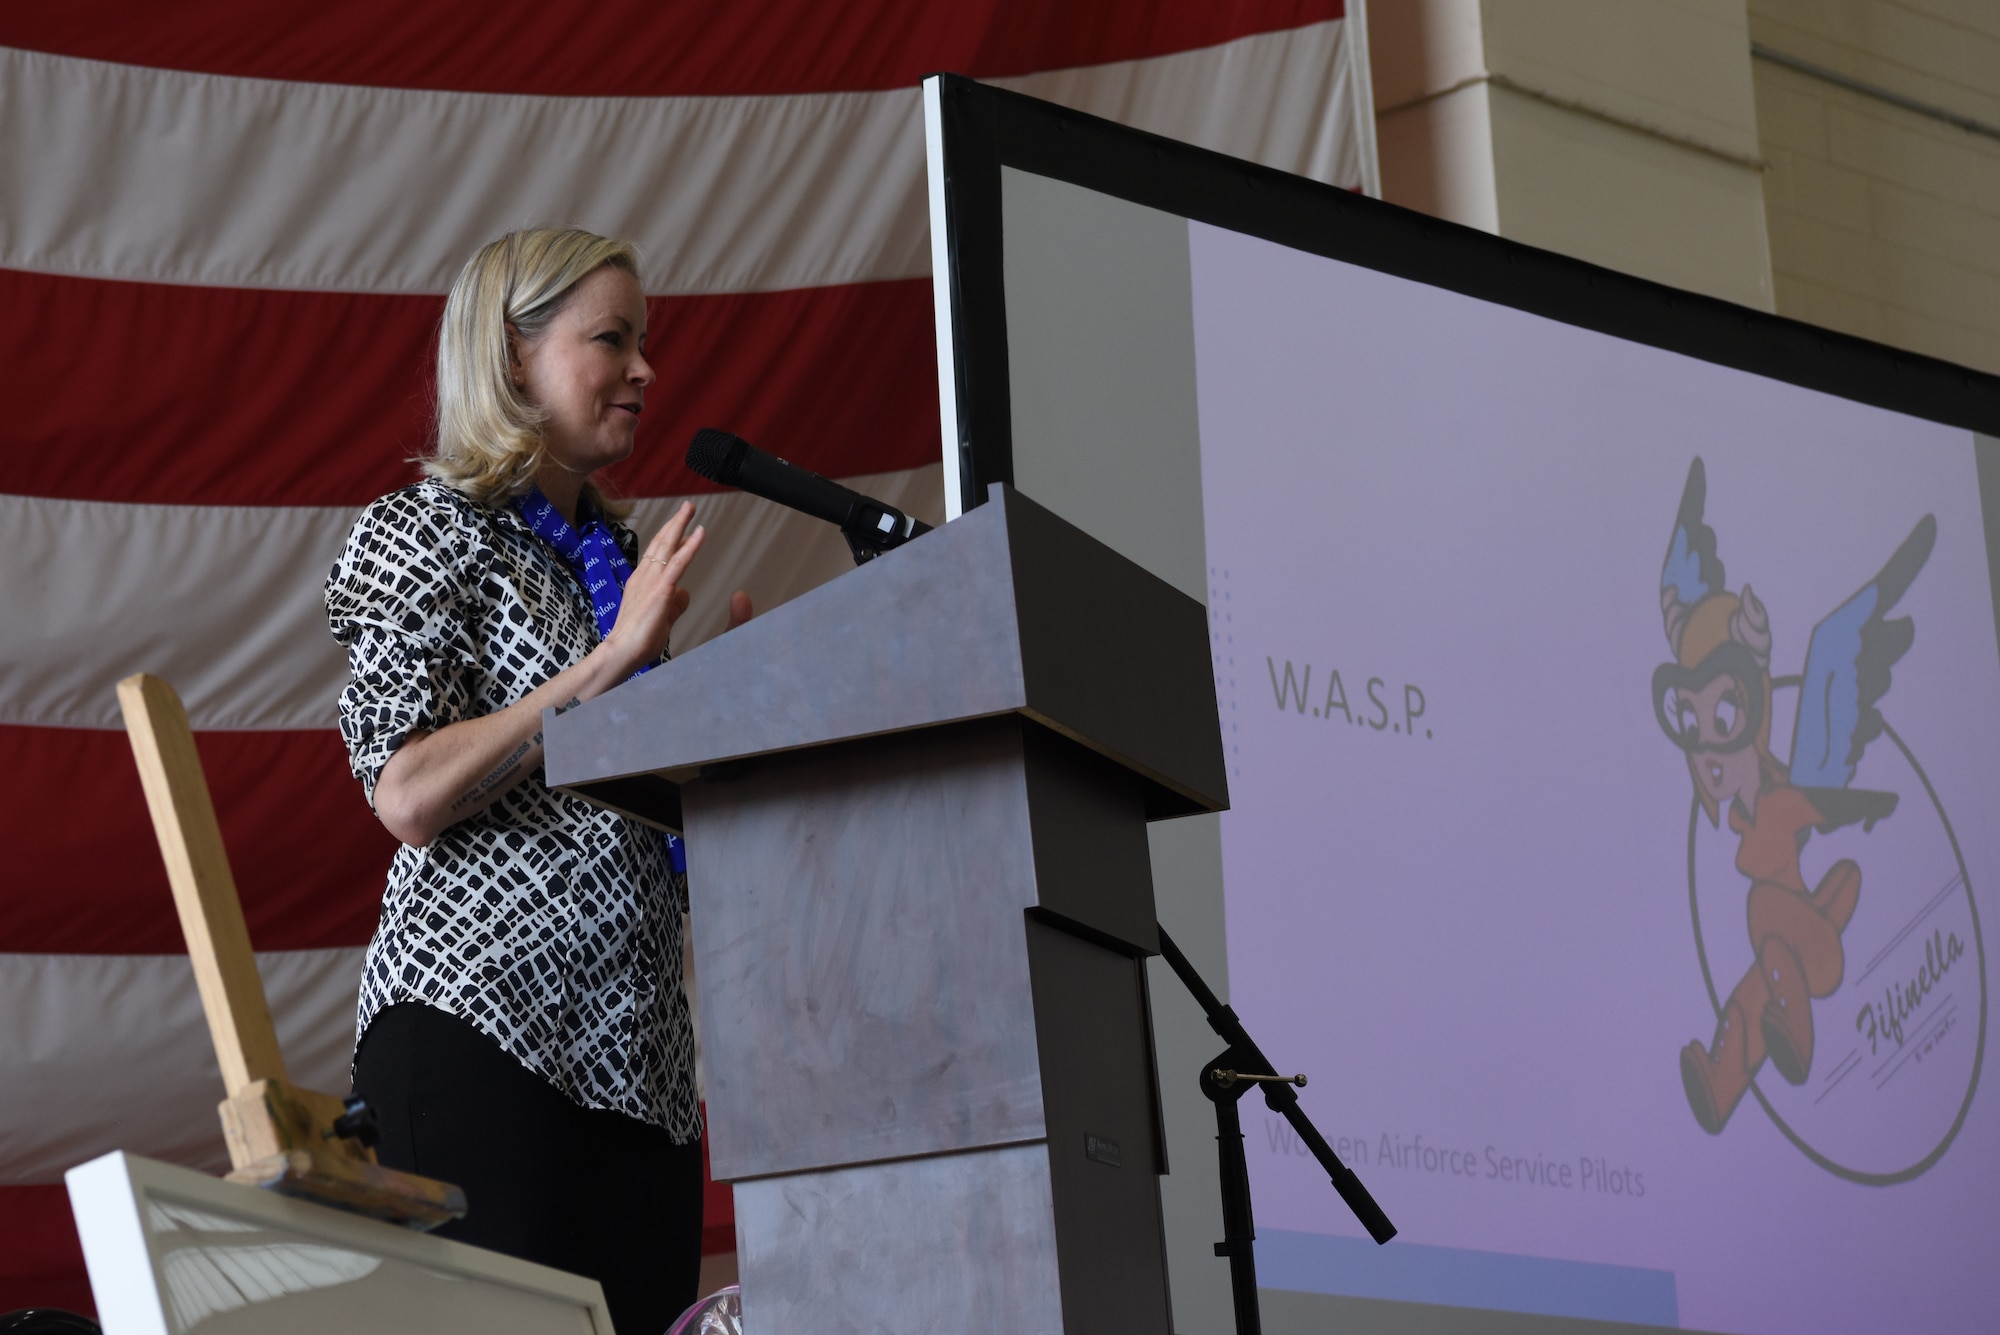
592,1192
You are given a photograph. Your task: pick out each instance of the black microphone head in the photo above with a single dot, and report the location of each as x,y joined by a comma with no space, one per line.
717,455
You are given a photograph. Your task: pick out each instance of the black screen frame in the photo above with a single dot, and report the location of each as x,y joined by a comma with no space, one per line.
985,129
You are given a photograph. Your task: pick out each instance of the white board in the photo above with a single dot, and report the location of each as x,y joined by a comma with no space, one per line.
172,1251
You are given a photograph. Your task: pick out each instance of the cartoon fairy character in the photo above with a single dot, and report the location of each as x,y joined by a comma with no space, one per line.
1714,702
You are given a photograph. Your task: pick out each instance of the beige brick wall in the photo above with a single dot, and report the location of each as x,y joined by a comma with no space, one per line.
1619,131
1884,222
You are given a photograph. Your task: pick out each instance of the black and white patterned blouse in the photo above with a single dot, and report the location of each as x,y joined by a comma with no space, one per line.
550,924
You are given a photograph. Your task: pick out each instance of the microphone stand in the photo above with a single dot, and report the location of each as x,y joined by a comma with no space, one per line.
1226,1079
872,528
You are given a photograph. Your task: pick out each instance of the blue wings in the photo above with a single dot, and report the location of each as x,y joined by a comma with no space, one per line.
1692,568
1847,670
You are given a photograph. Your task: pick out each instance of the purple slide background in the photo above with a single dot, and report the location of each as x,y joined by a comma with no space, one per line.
1480,934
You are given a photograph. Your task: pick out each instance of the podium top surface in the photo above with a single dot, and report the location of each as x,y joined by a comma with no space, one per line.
1008,609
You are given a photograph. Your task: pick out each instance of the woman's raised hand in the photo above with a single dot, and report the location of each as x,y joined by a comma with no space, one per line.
654,598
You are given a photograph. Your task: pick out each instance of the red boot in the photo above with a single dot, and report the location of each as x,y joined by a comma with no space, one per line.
1715,1077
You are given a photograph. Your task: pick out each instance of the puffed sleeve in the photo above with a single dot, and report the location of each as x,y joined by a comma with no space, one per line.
400,600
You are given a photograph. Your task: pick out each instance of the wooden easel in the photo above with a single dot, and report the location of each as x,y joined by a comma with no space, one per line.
295,1141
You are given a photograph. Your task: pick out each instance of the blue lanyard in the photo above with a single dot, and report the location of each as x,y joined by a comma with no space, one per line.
594,556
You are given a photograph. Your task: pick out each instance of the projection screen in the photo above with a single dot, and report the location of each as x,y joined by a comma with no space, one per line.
1610,681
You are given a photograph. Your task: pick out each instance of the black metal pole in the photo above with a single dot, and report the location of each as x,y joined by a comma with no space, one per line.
1281,1098
1239,1227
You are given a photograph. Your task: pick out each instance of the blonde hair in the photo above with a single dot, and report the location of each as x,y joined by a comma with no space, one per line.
489,434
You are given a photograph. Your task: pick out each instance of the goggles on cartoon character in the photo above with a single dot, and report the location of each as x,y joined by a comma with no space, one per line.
1729,659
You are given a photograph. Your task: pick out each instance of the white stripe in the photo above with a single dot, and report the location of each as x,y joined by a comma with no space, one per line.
124,172
104,1052
1279,99
1361,97
117,171
227,602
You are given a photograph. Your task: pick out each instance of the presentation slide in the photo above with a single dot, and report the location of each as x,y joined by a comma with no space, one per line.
1613,745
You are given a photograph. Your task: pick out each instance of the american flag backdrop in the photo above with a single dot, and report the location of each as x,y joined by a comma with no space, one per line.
226,229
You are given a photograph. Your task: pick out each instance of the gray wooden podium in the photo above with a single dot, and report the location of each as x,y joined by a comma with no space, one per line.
915,803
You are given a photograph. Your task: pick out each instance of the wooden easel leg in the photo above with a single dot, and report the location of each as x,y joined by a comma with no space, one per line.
280,1136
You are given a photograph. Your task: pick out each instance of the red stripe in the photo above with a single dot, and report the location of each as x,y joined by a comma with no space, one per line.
639,48
149,392
85,876
41,1260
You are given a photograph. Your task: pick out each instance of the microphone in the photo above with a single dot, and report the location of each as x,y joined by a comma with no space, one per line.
870,527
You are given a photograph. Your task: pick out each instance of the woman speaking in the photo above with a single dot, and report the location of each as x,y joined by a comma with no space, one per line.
522,1027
